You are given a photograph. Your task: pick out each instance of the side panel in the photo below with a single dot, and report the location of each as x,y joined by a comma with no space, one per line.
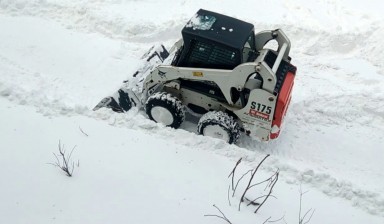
225,79
257,115
192,97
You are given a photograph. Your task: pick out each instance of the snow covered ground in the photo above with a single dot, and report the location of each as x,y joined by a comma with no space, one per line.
58,58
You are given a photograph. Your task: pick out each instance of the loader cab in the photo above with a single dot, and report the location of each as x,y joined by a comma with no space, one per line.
216,41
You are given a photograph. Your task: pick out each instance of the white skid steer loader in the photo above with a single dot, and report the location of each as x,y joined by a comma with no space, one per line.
221,71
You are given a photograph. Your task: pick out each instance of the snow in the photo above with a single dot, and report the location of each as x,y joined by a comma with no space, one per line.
59,58
201,22
125,177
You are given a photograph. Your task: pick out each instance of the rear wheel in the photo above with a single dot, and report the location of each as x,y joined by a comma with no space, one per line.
166,109
218,124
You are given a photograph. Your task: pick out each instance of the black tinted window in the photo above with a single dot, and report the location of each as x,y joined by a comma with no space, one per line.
207,55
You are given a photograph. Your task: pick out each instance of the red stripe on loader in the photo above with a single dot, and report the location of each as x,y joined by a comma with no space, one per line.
283,101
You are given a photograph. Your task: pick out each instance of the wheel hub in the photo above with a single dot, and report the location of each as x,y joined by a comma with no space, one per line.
216,131
162,115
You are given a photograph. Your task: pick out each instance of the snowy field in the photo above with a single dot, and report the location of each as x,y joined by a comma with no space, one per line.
58,58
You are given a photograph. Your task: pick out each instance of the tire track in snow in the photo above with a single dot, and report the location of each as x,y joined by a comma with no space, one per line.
85,17
371,202
307,40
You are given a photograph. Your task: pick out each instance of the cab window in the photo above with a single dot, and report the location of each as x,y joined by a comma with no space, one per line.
206,55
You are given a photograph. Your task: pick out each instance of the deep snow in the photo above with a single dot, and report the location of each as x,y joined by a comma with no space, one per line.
59,58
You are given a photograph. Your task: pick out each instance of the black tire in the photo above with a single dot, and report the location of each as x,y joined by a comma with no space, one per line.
222,123
166,109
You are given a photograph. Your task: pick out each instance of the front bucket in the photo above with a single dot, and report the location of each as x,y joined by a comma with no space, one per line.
119,103
129,94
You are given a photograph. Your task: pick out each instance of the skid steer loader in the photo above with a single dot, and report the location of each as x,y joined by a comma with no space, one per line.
221,71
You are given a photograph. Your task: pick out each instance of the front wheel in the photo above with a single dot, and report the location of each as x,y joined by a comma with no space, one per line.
218,124
166,109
